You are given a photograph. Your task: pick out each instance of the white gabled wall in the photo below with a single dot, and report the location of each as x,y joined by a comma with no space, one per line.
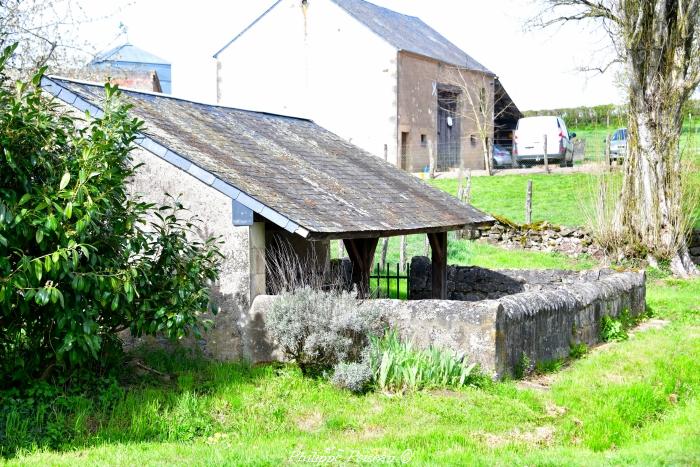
318,62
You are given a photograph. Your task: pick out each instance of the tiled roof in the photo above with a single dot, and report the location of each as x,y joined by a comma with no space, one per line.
408,33
289,170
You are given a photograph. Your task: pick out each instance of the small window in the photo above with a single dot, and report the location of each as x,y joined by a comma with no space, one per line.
423,140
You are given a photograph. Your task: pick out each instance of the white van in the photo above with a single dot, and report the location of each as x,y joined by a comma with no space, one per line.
529,136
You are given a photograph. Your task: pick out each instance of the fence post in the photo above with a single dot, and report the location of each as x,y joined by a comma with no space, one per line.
468,189
402,253
608,157
426,250
431,156
385,246
546,158
528,203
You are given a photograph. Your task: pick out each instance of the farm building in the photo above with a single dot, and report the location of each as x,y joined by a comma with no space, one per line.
258,179
132,67
385,81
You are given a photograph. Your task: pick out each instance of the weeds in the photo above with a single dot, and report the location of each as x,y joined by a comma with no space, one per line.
612,329
578,350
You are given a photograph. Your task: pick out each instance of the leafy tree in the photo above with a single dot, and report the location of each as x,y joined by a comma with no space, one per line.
81,261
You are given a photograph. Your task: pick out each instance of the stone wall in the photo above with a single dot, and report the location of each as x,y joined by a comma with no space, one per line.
540,236
541,323
472,283
242,268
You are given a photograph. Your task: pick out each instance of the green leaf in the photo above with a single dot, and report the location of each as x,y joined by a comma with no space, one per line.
68,211
3,240
26,197
64,181
38,270
47,263
39,236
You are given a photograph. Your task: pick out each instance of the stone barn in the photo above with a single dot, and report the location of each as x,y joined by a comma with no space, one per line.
254,178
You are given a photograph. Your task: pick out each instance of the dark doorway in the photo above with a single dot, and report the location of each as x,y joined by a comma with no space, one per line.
448,131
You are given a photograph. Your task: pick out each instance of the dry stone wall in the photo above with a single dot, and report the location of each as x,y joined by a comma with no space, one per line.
541,236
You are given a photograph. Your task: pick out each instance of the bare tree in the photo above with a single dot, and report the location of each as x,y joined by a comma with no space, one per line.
47,32
479,104
658,41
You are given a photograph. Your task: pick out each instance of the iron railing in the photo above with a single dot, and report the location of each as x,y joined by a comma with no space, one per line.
390,282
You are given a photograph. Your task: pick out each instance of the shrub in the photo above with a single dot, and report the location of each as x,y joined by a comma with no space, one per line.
320,329
398,366
612,329
79,259
355,377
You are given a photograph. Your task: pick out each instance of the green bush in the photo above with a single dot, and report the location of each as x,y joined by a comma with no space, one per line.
81,261
398,366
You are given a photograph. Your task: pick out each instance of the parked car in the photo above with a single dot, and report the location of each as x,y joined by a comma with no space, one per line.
529,138
618,145
501,157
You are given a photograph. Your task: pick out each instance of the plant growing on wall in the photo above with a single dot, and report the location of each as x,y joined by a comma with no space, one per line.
81,261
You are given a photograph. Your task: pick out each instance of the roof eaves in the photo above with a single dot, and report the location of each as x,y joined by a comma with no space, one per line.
216,55
182,163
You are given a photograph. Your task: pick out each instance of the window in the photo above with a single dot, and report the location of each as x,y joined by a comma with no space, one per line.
423,140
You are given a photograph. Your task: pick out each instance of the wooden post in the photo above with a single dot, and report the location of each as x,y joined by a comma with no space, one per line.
438,245
426,250
361,253
468,189
431,158
546,158
608,157
385,247
402,253
528,203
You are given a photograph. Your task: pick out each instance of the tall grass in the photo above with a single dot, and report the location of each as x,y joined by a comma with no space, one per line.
399,366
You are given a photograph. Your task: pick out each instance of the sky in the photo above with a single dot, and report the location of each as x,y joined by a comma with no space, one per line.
540,69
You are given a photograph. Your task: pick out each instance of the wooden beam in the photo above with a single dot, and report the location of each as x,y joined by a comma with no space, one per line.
438,245
361,254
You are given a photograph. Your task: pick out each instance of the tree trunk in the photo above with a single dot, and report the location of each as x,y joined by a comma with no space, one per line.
485,146
661,60
650,214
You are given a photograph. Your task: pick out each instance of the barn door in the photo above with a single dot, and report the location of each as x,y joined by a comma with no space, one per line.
448,131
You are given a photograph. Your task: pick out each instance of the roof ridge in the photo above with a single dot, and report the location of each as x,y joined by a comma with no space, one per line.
169,96
216,55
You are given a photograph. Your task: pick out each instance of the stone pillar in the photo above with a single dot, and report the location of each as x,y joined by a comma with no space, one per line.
256,254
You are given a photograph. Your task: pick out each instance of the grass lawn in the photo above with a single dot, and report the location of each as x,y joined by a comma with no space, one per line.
559,198
633,402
